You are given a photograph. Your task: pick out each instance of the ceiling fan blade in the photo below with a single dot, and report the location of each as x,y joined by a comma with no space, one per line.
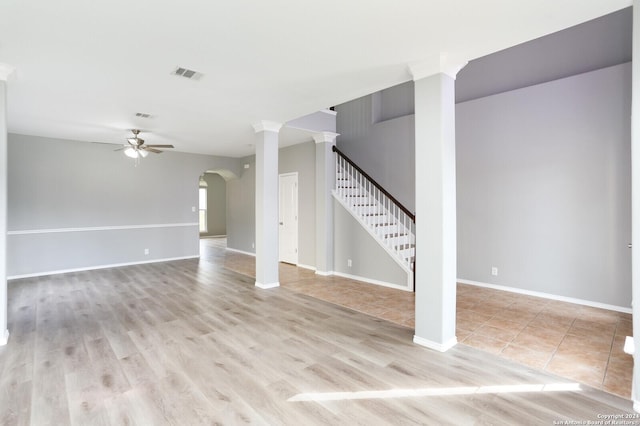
147,148
161,146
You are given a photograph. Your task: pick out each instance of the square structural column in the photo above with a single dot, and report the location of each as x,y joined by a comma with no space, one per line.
5,72
435,156
325,182
267,247
635,205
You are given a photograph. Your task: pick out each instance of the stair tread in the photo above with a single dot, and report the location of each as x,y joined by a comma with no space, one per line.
397,234
405,246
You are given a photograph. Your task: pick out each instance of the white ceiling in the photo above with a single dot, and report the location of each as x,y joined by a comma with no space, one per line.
84,68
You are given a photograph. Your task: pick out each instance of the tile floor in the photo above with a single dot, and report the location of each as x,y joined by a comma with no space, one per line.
573,341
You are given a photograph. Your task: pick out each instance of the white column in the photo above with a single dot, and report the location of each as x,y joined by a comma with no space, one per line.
325,181
267,247
435,288
5,72
635,203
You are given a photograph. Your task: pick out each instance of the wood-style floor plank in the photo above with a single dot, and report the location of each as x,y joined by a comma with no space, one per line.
190,342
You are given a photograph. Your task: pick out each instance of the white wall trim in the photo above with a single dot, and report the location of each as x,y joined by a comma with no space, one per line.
324,273
371,281
636,406
241,252
440,347
4,339
267,286
548,296
300,265
213,236
90,268
100,228
266,126
329,137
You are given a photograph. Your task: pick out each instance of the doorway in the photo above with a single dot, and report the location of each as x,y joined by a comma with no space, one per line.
288,218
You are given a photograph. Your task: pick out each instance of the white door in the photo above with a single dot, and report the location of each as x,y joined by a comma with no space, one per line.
288,217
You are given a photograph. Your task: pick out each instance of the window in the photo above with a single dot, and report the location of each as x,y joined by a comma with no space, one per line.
202,201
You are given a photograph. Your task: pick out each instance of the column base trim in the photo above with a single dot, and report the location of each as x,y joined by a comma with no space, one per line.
267,286
4,339
324,273
440,347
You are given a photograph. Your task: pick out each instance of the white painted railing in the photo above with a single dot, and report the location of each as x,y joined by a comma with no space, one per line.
386,218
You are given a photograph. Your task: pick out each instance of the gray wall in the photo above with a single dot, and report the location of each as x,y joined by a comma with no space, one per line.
64,185
216,205
369,259
544,187
543,181
301,158
382,147
241,201
241,208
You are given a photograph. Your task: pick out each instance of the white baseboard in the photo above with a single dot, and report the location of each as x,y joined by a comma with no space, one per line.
267,286
91,268
370,281
440,347
241,252
636,406
4,339
548,296
213,236
324,273
300,265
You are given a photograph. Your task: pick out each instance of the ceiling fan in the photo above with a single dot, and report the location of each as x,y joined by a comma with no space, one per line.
136,148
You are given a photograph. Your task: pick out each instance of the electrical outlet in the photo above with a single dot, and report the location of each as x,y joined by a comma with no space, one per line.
494,271
146,251
193,209
349,263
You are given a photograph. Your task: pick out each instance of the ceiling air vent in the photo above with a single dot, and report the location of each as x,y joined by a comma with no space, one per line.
187,73
143,115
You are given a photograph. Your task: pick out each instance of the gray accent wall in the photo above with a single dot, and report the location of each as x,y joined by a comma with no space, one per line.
543,181
544,187
369,259
216,204
241,208
59,188
300,158
241,196
382,147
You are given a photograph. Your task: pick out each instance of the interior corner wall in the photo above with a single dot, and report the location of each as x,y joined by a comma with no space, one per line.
378,133
241,208
80,205
544,187
216,205
301,158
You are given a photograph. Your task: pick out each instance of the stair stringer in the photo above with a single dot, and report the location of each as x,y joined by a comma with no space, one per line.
380,241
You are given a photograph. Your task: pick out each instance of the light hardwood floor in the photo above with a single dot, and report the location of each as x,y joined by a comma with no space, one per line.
191,342
577,342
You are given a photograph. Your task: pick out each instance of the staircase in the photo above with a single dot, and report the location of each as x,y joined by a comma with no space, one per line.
388,221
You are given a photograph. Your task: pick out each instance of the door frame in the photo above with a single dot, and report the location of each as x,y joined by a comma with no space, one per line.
297,214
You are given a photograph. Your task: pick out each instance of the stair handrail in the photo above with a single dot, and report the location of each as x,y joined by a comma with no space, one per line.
406,211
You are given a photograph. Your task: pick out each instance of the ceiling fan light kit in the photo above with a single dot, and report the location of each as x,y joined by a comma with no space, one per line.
135,147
